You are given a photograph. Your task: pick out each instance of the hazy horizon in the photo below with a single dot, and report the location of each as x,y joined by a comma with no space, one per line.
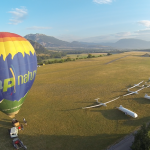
75,20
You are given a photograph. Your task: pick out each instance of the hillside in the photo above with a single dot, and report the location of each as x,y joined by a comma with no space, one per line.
49,41
132,44
38,47
129,44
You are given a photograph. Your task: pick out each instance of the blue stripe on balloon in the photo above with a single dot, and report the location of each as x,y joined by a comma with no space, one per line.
20,65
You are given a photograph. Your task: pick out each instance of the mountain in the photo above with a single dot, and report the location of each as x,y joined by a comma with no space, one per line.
131,44
49,41
128,44
46,41
38,47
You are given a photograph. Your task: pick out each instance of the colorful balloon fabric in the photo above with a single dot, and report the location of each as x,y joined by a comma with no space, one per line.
18,66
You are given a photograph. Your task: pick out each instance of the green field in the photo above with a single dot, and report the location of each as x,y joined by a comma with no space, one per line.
83,55
53,107
74,56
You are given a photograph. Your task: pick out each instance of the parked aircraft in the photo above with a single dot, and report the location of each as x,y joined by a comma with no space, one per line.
100,104
133,92
136,85
127,111
148,85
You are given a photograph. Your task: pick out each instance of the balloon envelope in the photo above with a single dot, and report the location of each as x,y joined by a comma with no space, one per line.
18,66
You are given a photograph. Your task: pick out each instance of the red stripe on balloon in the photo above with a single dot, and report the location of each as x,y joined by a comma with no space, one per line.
7,34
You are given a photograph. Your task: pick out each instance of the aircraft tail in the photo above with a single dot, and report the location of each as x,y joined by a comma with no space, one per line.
97,100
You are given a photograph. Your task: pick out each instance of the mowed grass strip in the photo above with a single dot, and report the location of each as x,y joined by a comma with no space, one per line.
53,107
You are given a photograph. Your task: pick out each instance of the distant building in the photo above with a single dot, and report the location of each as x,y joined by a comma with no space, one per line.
146,55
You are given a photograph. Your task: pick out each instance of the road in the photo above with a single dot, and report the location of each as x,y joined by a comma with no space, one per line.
124,144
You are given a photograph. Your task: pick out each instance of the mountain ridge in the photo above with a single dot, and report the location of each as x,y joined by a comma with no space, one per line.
50,41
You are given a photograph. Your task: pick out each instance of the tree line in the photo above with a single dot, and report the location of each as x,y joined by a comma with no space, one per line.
142,138
68,59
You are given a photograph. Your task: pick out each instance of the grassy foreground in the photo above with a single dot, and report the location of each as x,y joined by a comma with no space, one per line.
53,107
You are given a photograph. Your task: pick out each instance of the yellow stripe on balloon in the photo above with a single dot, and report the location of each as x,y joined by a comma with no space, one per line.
14,47
14,79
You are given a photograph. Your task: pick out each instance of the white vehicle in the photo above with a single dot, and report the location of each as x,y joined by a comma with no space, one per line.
133,92
100,104
146,96
14,132
127,111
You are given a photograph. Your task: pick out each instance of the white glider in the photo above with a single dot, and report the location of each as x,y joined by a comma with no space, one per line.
133,92
148,85
135,85
100,104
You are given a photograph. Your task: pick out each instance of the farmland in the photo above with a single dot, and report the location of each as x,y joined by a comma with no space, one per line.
74,56
53,107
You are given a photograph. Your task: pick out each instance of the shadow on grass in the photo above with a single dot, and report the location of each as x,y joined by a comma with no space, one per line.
85,102
137,122
142,100
113,114
59,142
95,103
124,89
6,123
71,109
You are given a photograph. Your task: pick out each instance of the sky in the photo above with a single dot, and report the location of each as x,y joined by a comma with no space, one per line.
78,20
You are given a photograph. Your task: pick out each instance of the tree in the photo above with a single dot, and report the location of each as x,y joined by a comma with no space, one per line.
142,138
89,56
109,54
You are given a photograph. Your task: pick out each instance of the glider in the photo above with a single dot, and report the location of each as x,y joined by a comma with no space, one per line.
100,104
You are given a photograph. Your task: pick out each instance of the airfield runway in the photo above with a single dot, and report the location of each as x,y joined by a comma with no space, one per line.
116,59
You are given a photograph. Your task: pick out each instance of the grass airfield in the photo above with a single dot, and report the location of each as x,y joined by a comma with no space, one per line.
53,107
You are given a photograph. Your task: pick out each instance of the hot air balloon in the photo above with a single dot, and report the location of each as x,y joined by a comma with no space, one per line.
18,67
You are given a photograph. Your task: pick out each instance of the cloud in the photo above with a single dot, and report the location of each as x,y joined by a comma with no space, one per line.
144,22
102,1
143,32
18,15
38,28
122,34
